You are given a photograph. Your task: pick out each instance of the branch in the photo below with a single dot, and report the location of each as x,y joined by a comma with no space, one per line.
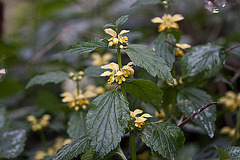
231,48
174,45
197,112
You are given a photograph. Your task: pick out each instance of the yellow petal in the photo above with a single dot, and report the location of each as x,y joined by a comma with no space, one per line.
157,20
89,94
67,97
140,119
112,66
146,115
183,45
110,32
136,112
123,31
106,73
119,73
177,17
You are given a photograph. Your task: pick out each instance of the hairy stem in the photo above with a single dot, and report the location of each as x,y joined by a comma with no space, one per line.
119,58
133,147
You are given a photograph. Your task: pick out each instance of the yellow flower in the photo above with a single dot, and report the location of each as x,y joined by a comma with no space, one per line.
39,124
116,39
179,52
161,114
139,121
99,60
114,67
168,21
231,100
98,90
78,98
176,82
127,69
229,131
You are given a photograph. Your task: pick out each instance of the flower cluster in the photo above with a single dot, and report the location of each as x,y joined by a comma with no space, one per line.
99,60
78,98
117,41
139,121
39,124
231,100
167,21
229,131
179,52
76,76
118,75
59,142
176,82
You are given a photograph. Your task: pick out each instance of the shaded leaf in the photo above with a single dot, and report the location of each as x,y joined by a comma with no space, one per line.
146,90
165,50
201,63
9,87
163,138
190,100
121,20
49,77
145,57
233,152
83,47
93,71
107,120
77,125
223,155
12,143
77,147
109,25
3,118
145,2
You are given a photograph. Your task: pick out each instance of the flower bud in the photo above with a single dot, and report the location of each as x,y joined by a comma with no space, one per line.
115,41
110,44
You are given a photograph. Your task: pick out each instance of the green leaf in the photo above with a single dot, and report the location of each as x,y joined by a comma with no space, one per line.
93,71
107,120
145,2
165,50
163,138
49,77
233,152
77,147
223,155
109,25
201,63
3,118
10,87
145,57
77,125
146,90
83,47
12,143
89,155
190,100
121,20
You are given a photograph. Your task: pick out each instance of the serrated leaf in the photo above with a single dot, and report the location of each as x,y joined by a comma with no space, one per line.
190,100
121,20
77,147
145,2
93,71
12,143
107,120
201,63
83,47
3,118
49,77
165,50
77,125
163,138
233,152
146,90
222,154
145,57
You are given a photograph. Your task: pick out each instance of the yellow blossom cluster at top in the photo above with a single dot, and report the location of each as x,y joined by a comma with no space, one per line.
176,82
78,98
167,21
118,75
117,40
39,124
139,121
76,76
179,52
99,60
231,100
229,131
59,142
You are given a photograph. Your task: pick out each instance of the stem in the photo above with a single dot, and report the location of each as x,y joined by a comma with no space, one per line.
119,58
77,81
133,147
231,48
120,152
236,129
234,53
43,139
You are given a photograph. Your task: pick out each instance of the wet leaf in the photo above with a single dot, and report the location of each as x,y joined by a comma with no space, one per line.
107,120
145,2
77,125
49,77
190,100
121,20
165,50
83,47
201,63
77,147
12,143
222,154
145,57
233,152
163,138
146,90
